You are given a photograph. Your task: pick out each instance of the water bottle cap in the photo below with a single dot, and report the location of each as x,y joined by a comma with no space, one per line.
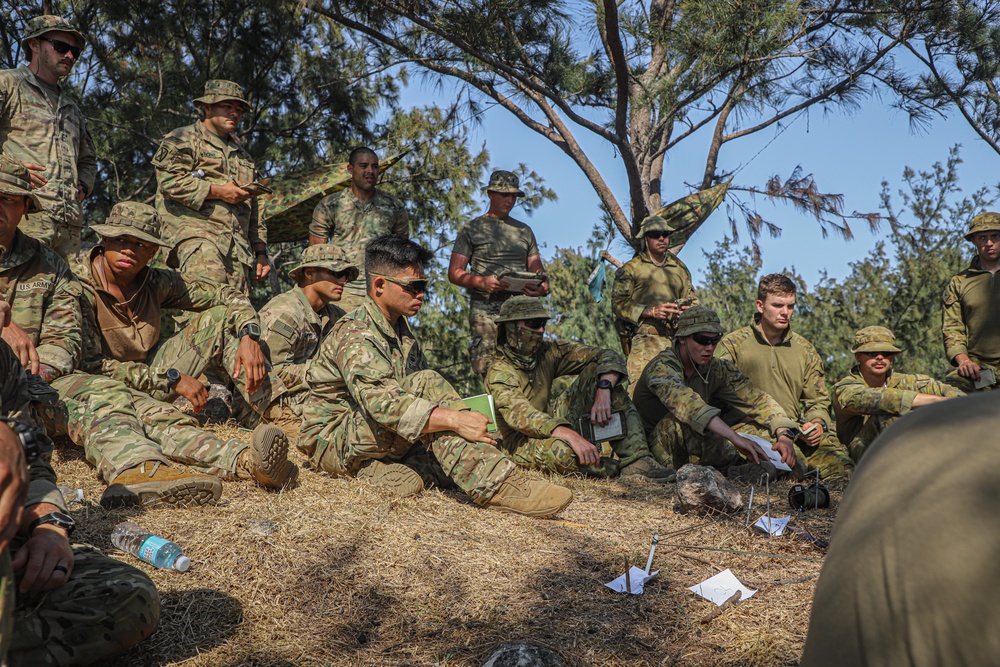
78,494
182,563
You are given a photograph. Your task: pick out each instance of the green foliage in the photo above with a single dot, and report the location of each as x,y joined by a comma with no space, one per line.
576,316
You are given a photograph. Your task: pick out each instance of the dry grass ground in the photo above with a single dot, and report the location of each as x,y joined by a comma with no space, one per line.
354,577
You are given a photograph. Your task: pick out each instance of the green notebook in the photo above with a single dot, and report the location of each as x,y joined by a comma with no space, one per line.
484,404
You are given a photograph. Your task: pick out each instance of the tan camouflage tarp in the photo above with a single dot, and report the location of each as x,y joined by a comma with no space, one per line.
688,213
288,210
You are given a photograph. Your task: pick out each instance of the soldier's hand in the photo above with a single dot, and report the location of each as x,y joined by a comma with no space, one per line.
231,193
192,390
749,448
969,369
472,426
660,312
263,268
491,284
531,290
81,191
600,412
22,346
814,436
4,313
46,558
13,484
586,451
250,357
786,448
35,173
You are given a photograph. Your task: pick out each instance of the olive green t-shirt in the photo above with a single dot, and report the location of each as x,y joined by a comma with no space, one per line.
495,244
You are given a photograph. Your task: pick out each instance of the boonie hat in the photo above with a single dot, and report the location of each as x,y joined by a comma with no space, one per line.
655,223
522,307
875,339
698,319
15,180
132,218
220,90
504,182
40,25
325,256
984,222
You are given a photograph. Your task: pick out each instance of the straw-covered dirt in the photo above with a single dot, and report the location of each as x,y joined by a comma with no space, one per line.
352,576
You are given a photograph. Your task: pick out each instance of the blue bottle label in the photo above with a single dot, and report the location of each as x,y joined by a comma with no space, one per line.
150,546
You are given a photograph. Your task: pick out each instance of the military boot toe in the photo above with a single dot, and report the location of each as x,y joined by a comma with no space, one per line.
266,460
396,478
649,469
154,484
531,497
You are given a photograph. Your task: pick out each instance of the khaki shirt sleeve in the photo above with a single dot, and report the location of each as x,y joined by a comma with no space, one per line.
854,397
956,339
401,225
86,162
682,401
278,336
622,304
60,341
175,166
743,394
815,395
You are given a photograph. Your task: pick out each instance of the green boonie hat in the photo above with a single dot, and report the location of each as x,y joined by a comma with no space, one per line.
984,222
220,90
522,307
698,319
655,223
504,182
16,180
132,218
875,339
40,25
325,256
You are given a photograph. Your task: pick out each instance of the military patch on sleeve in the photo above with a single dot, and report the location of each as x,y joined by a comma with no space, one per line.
283,330
161,154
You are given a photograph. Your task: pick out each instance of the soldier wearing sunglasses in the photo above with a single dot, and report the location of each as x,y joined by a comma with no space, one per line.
872,396
41,126
689,402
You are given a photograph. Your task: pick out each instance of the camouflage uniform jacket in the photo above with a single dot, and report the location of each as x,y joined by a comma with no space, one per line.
791,372
358,369
161,289
522,397
44,297
709,392
350,224
971,317
641,283
853,399
494,245
31,130
291,332
182,197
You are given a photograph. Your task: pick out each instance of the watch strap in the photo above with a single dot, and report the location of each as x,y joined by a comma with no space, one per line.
60,519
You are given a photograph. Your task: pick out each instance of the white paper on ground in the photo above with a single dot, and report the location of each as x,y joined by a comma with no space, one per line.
773,454
637,578
721,587
777,524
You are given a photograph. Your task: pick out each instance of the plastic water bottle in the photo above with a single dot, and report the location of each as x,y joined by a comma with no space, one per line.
150,548
71,495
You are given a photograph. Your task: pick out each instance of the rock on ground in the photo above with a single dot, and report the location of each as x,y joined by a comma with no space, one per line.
524,655
703,489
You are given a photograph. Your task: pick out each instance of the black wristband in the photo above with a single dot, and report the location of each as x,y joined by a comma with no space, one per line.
260,253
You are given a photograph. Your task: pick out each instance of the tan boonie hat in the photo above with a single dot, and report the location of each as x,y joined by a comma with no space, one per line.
655,223
698,319
40,25
132,218
15,180
875,339
220,90
504,182
325,256
984,222
522,307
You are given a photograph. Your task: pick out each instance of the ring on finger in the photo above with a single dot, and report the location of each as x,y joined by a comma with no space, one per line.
60,568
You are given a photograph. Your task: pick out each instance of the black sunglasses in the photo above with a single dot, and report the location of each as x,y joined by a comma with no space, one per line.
412,286
536,323
346,273
886,355
702,339
657,235
63,47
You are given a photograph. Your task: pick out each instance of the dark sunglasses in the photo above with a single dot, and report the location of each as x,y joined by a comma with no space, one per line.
886,355
63,47
412,286
702,339
346,273
537,323
657,235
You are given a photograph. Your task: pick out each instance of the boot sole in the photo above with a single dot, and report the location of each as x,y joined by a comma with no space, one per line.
186,492
269,453
393,477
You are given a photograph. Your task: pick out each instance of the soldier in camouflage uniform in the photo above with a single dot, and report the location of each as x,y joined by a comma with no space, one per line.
349,219
71,604
971,317
872,396
376,413
212,223
42,127
689,401
540,433
493,243
650,291
296,322
788,368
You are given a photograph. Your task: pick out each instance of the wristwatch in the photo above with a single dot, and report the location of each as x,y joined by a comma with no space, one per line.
64,521
251,329
604,383
173,377
28,436
788,433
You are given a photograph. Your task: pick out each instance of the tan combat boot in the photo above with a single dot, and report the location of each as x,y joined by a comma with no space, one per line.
396,478
531,497
649,469
154,484
266,460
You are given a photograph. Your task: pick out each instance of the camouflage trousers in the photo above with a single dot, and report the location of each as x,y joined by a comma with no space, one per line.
483,331
105,608
475,467
673,443
830,457
874,425
555,455
54,233
968,386
201,258
286,415
119,428
645,346
206,346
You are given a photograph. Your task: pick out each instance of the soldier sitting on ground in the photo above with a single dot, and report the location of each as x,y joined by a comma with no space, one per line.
685,393
296,322
541,433
374,412
872,396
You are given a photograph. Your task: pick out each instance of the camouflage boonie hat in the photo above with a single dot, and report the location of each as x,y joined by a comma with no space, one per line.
40,25
984,222
875,339
522,307
655,223
15,180
220,90
325,256
504,182
698,319
132,218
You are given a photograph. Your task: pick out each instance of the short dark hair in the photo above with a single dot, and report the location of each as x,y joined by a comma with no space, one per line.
390,254
774,283
358,152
